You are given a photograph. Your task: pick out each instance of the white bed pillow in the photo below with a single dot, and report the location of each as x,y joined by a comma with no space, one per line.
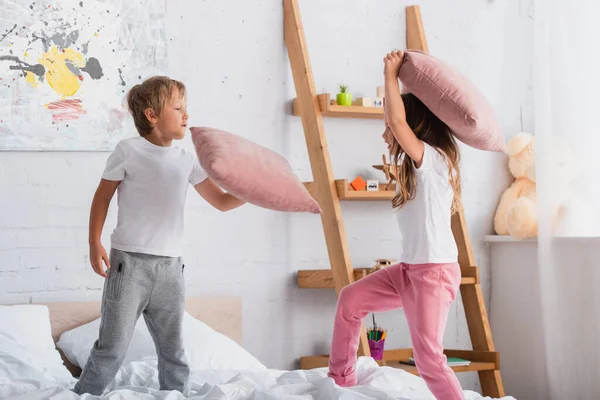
27,350
205,348
77,343
210,350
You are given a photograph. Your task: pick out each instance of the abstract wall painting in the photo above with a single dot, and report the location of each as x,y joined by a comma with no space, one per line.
66,66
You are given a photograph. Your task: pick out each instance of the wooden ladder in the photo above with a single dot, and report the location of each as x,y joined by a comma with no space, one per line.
329,192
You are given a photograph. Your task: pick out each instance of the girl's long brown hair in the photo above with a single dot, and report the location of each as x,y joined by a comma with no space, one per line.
431,130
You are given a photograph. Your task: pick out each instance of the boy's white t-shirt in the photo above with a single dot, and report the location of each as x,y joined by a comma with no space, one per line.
425,221
151,195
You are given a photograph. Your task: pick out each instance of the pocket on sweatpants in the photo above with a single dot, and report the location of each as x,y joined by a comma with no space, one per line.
115,281
452,277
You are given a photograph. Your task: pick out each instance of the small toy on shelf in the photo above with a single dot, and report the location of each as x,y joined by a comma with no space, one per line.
382,263
372,185
358,183
378,102
390,172
344,98
363,102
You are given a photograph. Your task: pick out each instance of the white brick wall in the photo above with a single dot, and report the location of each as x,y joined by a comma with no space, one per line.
233,59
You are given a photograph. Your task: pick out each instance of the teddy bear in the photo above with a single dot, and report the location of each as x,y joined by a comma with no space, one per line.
516,214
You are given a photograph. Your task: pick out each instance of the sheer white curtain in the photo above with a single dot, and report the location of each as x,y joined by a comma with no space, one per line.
567,125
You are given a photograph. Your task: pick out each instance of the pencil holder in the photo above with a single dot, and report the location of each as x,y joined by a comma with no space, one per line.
376,347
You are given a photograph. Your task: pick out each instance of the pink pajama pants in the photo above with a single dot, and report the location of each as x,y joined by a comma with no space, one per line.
425,291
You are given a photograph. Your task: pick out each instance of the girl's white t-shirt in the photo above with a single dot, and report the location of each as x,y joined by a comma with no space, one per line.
151,195
425,221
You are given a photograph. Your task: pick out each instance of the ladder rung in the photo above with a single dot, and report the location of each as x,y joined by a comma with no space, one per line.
323,278
480,360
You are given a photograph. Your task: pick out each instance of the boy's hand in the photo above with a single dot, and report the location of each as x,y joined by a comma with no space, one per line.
97,255
391,64
216,197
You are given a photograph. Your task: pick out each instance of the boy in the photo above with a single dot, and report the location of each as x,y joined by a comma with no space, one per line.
145,272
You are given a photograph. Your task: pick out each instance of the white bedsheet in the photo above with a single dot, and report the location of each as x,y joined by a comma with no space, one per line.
139,380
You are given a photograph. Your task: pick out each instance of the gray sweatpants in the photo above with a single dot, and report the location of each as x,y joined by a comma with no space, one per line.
139,284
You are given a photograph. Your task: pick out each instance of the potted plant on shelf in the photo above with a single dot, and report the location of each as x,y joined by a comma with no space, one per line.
344,98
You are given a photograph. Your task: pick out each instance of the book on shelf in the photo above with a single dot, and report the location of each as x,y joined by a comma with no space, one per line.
452,362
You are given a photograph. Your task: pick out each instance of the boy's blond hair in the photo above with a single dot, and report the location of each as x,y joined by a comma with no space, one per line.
154,93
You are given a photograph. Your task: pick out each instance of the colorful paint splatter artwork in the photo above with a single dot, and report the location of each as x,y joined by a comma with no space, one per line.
66,66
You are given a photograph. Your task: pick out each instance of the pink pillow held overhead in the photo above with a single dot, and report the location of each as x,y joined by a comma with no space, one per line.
453,99
251,172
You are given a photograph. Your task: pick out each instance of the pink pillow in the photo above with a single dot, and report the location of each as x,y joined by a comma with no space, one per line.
453,99
251,172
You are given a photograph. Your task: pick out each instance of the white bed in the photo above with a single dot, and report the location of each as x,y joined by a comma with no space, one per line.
220,381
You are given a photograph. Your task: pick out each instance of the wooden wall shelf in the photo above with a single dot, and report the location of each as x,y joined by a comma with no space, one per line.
336,111
345,192
480,360
323,278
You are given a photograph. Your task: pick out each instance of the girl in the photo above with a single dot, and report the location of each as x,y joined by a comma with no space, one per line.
426,282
